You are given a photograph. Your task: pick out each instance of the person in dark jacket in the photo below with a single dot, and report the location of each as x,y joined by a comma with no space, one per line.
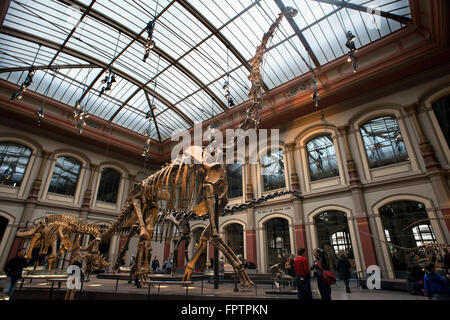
343,268
435,286
13,269
155,264
320,264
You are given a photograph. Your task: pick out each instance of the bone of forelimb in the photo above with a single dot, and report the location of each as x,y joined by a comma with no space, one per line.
194,178
211,202
33,242
198,252
140,218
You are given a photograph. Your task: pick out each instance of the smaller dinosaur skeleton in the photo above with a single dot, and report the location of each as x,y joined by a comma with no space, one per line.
47,230
279,277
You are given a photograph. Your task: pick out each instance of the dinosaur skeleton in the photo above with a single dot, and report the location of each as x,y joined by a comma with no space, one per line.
47,230
192,182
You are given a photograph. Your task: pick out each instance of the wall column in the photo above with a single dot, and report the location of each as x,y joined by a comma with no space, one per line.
293,171
250,237
365,242
249,195
299,226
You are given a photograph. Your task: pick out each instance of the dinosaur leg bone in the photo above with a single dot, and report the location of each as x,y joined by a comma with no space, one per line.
204,237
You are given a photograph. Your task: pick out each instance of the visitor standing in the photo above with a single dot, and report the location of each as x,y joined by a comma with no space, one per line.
13,269
169,263
319,266
221,269
343,268
302,276
155,264
435,286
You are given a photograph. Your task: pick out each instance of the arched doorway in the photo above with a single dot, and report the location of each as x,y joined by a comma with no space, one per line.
200,265
234,237
405,224
3,225
278,241
333,235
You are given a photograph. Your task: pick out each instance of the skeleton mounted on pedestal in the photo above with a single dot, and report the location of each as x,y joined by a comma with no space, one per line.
193,182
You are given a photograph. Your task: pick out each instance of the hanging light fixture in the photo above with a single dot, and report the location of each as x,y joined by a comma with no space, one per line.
109,79
27,82
24,86
150,43
146,152
226,85
351,55
315,95
79,112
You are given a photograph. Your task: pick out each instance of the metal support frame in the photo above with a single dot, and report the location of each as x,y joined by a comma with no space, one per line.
299,34
349,5
52,45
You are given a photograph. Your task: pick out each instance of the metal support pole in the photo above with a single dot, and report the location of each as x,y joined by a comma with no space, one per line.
216,251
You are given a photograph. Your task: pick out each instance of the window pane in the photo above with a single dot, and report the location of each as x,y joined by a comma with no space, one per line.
109,185
234,177
65,176
272,170
441,109
13,163
322,158
383,142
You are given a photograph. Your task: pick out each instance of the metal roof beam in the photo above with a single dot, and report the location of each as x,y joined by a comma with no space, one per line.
219,36
47,67
52,45
153,116
139,38
349,5
299,34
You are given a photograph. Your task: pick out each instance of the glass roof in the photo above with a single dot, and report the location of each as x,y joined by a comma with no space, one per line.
199,44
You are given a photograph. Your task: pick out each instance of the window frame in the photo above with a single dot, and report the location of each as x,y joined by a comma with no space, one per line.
388,171
260,171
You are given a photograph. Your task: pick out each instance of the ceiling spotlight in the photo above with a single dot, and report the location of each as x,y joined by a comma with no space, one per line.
148,115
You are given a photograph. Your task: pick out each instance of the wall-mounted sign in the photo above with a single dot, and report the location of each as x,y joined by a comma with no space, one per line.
268,211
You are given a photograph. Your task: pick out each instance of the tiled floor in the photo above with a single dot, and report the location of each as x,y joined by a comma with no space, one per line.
226,290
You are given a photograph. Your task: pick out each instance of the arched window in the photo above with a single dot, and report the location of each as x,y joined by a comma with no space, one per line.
383,142
3,225
272,170
333,234
405,225
234,177
278,243
234,237
14,160
322,158
65,176
109,185
441,110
